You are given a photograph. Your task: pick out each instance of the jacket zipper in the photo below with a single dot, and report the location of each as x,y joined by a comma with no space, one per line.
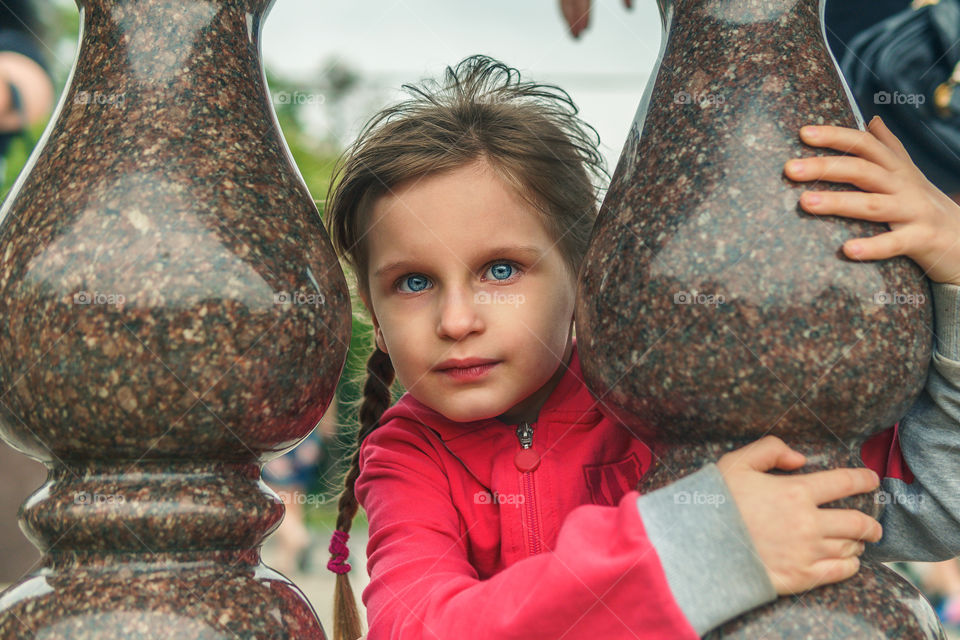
525,436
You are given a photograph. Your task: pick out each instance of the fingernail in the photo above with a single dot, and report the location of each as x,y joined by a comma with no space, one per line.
811,198
796,167
856,249
810,132
876,478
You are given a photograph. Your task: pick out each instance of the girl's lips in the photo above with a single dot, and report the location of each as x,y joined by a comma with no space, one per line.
463,363
469,373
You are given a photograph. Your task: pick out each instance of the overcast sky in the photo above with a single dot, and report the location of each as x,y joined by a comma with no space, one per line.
393,41
390,42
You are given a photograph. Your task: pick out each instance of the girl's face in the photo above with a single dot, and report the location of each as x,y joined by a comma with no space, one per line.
462,268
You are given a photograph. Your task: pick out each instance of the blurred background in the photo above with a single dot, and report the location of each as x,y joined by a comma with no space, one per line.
330,66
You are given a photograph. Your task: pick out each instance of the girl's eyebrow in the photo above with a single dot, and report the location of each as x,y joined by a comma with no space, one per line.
533,252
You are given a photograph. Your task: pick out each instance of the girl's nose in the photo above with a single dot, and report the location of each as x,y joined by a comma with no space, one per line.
460,314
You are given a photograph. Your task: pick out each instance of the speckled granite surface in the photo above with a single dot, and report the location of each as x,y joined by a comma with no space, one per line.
712,310
875,604
174,316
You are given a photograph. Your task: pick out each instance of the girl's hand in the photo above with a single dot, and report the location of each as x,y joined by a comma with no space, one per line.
924,222
801,545
577,14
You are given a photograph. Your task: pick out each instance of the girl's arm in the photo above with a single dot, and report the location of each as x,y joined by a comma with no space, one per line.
921,465
921,461
603,579
649,567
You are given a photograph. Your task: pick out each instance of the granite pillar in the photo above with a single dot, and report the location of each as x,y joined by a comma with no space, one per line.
173,317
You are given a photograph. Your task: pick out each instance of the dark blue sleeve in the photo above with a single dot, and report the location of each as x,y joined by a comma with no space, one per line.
19,42
844,19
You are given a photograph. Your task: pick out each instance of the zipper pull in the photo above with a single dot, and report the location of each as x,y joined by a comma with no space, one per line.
527,459
525,434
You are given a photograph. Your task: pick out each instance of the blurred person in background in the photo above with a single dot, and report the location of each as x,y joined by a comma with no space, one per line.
294,476
26,87
847,19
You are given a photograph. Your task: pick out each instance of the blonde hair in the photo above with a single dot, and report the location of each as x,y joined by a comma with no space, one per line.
532,137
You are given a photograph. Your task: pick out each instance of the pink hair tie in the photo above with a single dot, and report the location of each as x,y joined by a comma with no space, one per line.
340,552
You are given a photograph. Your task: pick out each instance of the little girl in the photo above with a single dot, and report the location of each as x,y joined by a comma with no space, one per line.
501,502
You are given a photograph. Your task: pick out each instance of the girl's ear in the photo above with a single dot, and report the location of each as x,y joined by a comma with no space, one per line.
381,344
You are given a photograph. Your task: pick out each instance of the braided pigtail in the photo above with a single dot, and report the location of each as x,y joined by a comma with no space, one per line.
376,400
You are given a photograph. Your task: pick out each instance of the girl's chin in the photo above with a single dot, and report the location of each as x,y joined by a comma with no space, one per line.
469,417
458,413
466,404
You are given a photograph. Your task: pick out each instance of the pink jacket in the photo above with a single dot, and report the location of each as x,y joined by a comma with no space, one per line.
465,544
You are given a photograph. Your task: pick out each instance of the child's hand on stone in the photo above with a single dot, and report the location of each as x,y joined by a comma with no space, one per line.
924,222
801,544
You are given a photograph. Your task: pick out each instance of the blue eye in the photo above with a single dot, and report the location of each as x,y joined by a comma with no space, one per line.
501,270
416,283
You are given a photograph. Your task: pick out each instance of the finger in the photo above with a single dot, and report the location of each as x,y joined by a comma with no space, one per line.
884,245
853,141
841,548
770,452
834,484
879,129
849,524
861,173
568,9
835,569
854,204
577,15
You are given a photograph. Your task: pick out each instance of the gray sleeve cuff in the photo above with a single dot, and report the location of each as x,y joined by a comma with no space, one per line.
705,549
946,309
